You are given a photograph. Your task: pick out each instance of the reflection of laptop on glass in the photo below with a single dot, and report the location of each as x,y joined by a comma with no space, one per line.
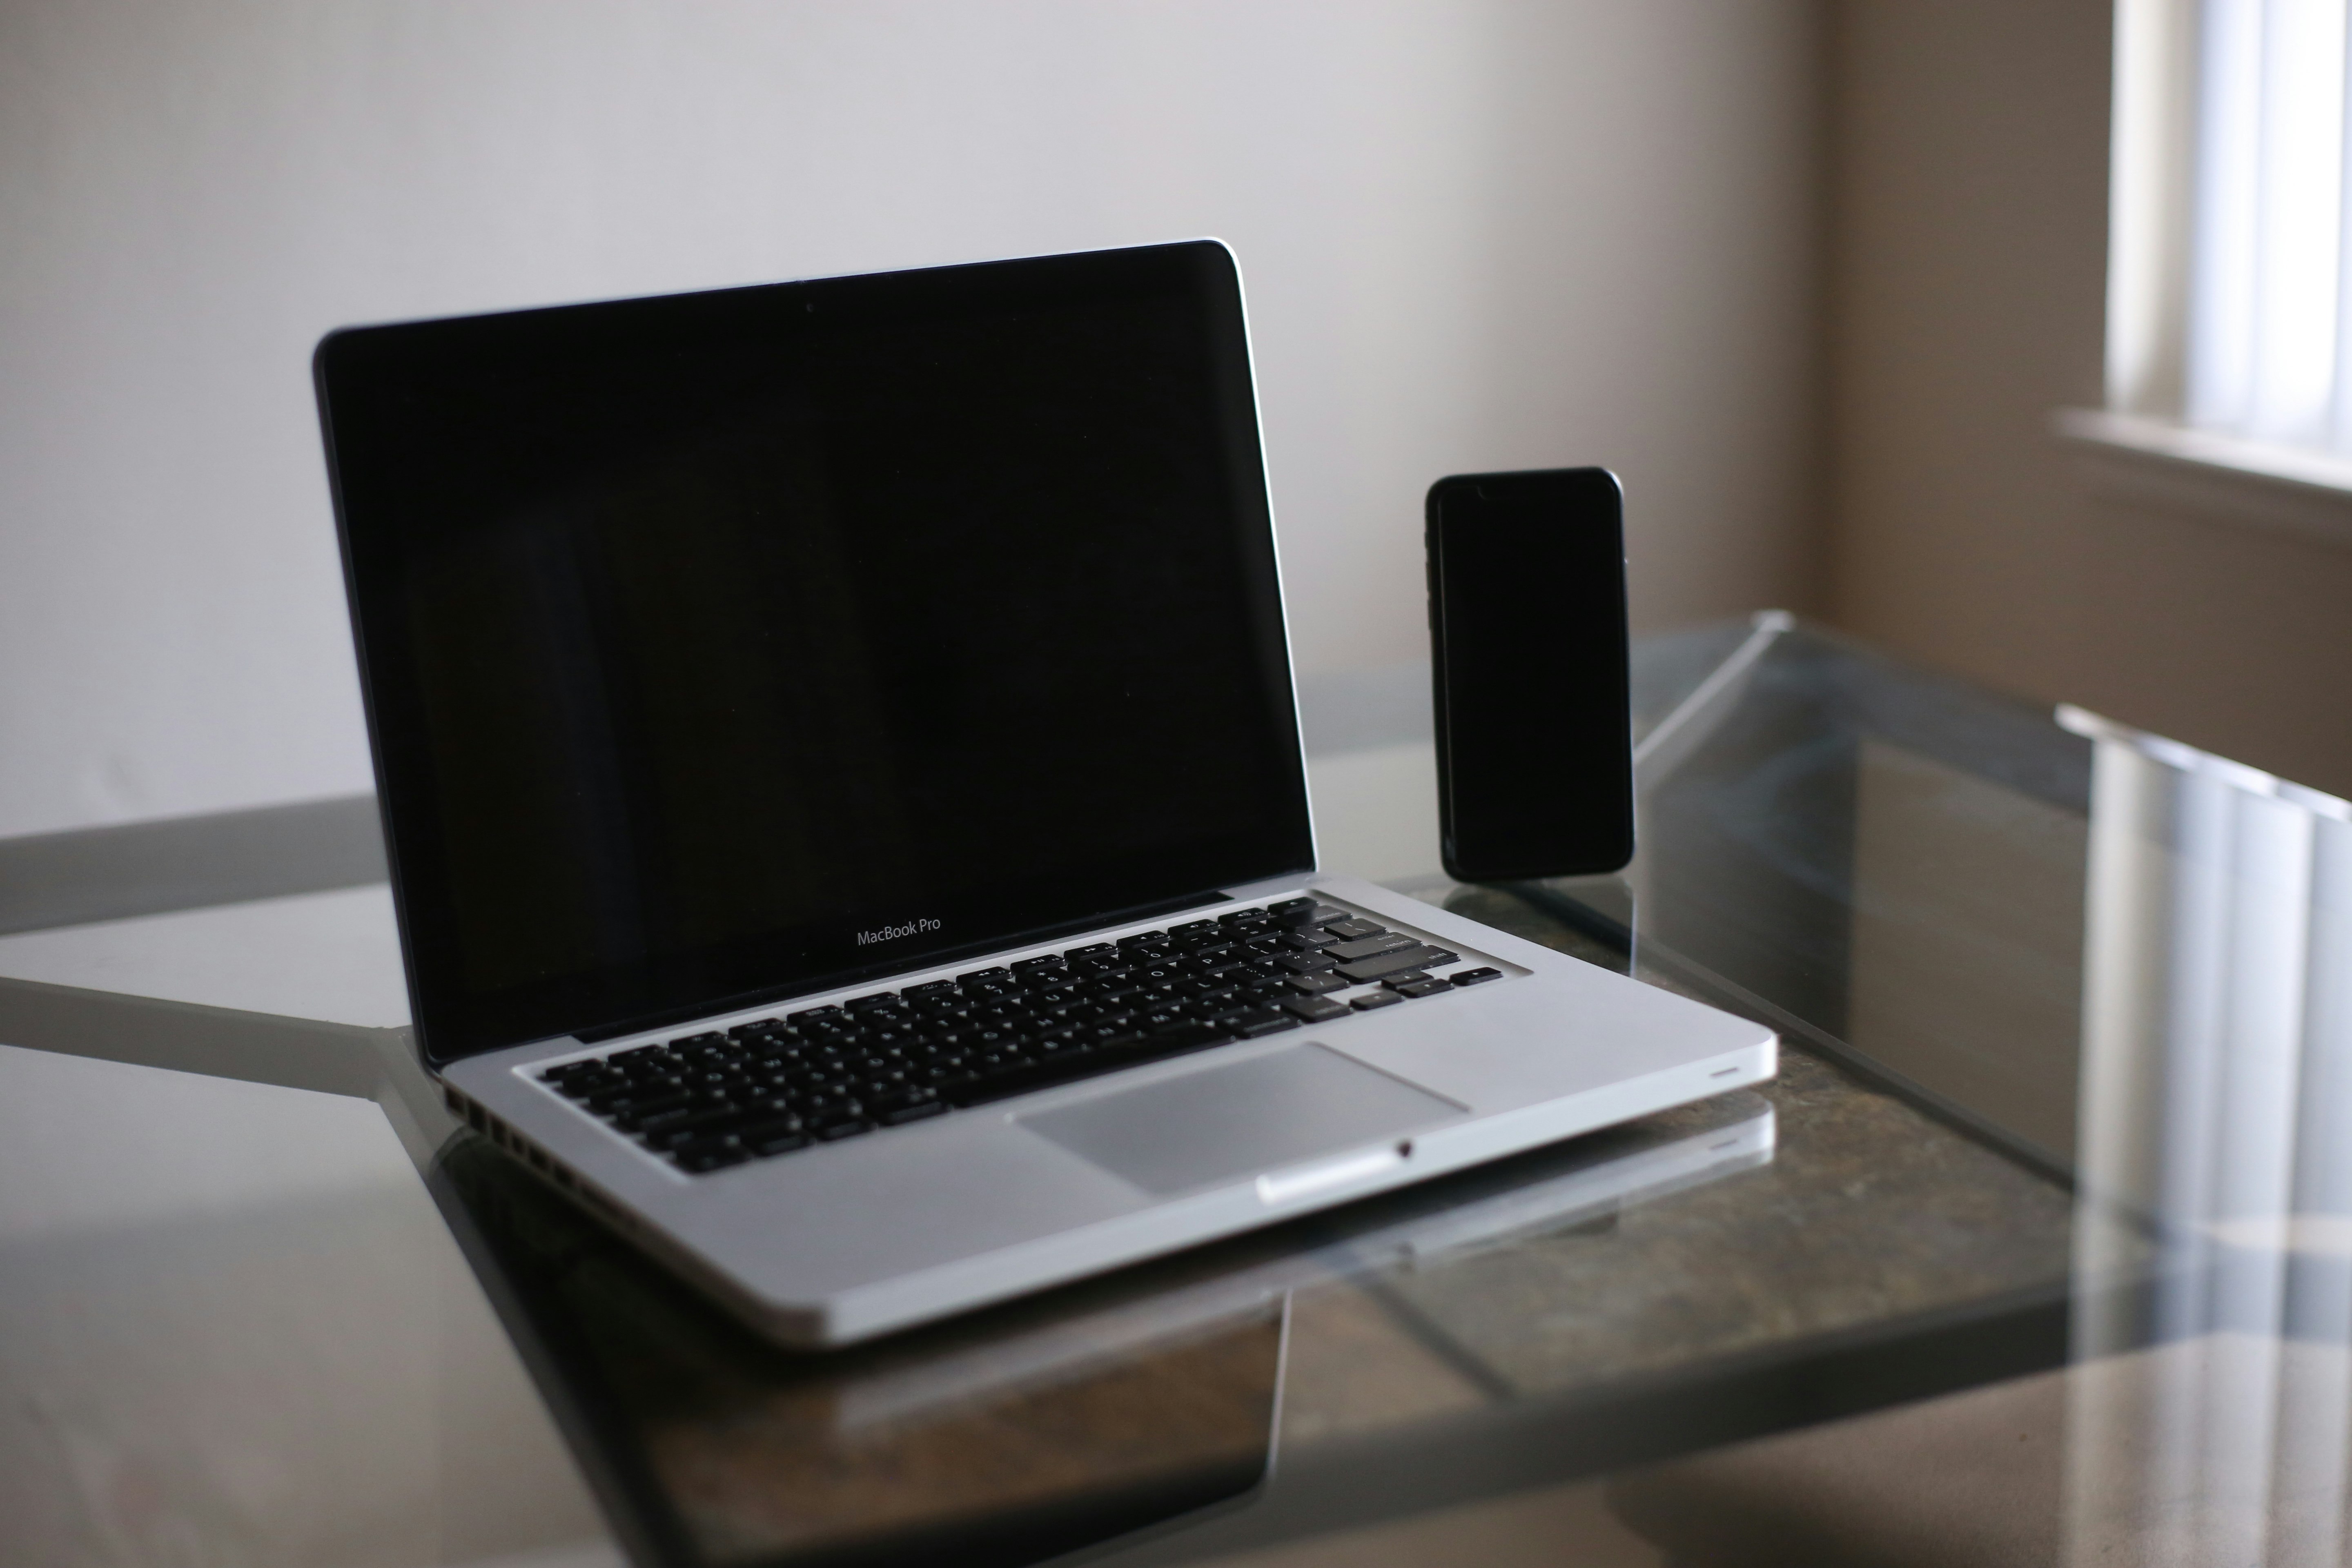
844,795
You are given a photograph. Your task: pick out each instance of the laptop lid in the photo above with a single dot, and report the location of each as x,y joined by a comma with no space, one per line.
725,647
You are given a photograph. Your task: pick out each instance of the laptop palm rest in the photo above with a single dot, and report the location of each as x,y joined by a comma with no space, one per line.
1240,1119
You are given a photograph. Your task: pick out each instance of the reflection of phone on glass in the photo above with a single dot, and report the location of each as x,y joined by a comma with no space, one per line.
1526,621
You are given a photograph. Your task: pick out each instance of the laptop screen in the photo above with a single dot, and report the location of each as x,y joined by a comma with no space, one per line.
731,645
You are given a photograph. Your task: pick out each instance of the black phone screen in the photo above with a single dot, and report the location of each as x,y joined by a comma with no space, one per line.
1528,635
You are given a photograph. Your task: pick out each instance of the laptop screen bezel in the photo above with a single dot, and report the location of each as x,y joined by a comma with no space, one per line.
453,1022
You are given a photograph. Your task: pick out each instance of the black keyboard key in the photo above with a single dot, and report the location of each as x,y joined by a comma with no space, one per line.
1404,977
636,1054
1316,1009
836,1130
779,1139
1307,940
1286,905
634,1096
701,1161
613,1101
586,1085
1440,958
1381,966
899,1110
1421,988
756,1027
627,1112
1316,984
1141,939
1251,1025
1477,976
1092,950
858,1005
1306,963
695,1042
657,1119
1365,946
1188,1035
1192,927
1355,928
669,1140
815,1016
1366,1003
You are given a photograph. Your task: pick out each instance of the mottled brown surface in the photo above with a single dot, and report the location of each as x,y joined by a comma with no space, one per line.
1867,1212
795,1471
1870,1210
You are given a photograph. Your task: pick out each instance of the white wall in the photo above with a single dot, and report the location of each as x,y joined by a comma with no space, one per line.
1474,235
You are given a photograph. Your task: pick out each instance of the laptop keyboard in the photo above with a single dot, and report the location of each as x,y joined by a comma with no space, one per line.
772,1086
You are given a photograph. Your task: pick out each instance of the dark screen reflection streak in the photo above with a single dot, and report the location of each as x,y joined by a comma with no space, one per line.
1002,1441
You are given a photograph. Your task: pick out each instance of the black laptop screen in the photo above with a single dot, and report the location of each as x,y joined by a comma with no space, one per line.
726,646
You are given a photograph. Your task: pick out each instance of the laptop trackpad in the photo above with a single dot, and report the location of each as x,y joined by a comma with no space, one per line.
1236,1120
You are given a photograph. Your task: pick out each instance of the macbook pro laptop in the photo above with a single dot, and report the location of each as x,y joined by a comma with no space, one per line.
842,789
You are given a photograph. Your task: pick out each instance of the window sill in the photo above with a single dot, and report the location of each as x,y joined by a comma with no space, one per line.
2131,457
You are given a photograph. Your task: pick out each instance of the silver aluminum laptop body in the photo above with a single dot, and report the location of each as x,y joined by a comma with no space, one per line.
837,1241
841,1242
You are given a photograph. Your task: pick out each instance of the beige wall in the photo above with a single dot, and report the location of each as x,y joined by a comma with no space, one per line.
1476,234
1967,251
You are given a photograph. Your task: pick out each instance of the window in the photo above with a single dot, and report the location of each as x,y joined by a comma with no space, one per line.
2228,270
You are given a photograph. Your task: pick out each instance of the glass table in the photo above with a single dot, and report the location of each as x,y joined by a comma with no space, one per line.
2040,1247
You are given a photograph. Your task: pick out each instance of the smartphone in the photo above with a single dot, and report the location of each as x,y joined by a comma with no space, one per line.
1526,622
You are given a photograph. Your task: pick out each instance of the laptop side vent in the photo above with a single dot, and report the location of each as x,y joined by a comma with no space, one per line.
549,1167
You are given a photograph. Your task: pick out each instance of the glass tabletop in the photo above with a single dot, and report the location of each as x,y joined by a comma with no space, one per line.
2044,1227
